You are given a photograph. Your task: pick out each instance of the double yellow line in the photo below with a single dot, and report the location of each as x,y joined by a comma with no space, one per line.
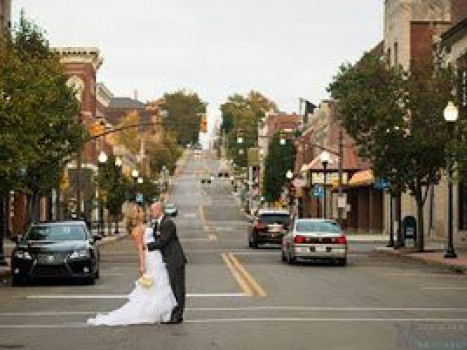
248,284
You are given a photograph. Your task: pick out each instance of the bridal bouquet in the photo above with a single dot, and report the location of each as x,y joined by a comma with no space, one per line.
145,281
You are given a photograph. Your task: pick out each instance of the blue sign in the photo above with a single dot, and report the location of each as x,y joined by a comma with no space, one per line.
139,198
381,184
318,191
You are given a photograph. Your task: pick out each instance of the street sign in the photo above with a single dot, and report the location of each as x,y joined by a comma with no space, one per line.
139,198
318,191
381,184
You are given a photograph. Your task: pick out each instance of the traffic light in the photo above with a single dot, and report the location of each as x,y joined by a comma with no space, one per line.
204,124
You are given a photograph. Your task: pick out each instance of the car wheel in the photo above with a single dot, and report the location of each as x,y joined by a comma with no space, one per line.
290,259
17,281
342,262
252,243
89,280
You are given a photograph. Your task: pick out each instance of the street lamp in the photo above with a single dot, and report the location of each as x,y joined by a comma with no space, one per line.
289,177
324,157
134,174
102,158
450,115
118,161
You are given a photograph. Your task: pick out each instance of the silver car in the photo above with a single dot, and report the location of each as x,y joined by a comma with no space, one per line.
315,239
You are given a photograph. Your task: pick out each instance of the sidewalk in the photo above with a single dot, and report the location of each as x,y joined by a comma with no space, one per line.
433,255
8,247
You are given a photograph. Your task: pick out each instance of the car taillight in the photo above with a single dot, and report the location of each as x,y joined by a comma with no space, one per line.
299,239
260,226
341,240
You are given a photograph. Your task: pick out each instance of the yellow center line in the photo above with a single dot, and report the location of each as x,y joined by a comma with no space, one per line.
247,277
243,285
206,227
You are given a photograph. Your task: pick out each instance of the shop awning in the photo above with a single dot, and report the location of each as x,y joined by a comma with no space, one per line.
362,178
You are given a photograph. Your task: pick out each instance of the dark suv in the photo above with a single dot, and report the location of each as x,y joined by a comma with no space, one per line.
269,226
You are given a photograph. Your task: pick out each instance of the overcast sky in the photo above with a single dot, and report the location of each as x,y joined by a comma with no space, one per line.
285,49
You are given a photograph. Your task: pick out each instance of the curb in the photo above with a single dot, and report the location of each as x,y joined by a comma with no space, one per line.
408,257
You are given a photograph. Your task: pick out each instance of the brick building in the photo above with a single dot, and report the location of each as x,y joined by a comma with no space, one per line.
81,65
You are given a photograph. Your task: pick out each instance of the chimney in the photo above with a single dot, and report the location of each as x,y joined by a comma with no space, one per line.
135,96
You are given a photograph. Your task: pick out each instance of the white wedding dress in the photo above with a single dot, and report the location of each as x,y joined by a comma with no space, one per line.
145,305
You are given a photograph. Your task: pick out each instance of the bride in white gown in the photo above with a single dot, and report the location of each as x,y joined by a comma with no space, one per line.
151,304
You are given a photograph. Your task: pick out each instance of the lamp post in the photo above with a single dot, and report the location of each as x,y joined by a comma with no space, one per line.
391,222
324,157
118,164
134,175
450,115
289,177
102,159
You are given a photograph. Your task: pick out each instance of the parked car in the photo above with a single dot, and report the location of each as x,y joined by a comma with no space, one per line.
170,209
223,173
315,239
55,249
269,226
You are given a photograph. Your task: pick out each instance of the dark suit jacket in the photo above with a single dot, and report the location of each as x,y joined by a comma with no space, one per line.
168,243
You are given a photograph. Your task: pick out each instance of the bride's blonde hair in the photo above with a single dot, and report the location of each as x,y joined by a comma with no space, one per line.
130,216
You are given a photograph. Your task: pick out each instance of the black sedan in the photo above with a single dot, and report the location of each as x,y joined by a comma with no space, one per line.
55,249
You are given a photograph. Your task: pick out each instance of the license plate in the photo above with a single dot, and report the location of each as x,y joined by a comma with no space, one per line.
320,248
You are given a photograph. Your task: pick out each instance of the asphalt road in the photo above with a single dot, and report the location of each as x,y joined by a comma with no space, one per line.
239,298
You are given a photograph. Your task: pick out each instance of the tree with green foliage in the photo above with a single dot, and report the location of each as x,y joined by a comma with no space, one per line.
396,119
182,116
243,113
279,159
38,115
165,153
114,186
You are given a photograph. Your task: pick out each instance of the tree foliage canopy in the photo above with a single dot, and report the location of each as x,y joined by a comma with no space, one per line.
279,159
183,115
38,112
396,118
244,113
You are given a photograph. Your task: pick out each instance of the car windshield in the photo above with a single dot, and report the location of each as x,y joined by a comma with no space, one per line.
274,218
56,233
169,206
318,226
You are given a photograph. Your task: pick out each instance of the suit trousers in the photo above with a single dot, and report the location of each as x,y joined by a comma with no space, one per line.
177,283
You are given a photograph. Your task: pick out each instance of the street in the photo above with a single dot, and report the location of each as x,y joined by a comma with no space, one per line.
242,298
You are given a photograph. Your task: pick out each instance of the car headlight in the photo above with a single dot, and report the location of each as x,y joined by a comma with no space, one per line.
77,254
22,255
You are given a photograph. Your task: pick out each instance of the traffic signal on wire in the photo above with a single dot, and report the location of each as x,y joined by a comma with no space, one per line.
204,124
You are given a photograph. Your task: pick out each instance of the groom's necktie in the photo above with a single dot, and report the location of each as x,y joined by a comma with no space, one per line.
155,228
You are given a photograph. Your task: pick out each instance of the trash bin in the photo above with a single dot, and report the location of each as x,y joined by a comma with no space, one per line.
409,231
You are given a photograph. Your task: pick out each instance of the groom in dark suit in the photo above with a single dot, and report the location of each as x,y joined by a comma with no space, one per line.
166,240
